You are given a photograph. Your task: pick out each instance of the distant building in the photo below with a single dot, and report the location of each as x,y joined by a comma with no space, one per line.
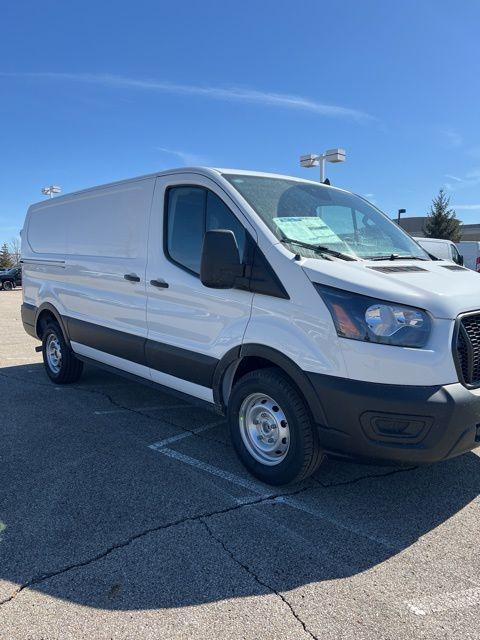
415,226
471,232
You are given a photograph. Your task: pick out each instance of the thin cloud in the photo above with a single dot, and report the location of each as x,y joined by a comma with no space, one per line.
230,94
186,157
452,137
466,207
471,179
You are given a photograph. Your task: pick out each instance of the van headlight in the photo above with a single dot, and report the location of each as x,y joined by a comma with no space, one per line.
363,318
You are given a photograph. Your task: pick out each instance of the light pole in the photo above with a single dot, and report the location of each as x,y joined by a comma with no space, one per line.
318,160
49,191
400,211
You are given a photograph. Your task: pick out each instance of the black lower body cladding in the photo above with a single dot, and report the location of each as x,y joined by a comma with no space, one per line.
181,363
403,424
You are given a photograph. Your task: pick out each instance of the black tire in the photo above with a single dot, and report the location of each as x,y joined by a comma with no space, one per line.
70,368
304,454
8,285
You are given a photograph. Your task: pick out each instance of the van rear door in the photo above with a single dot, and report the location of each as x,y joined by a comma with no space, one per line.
190,327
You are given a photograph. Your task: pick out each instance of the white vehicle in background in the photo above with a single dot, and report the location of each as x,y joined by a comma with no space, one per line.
471,254
442,249
299,310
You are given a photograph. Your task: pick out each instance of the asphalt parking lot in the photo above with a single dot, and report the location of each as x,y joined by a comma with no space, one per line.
125,514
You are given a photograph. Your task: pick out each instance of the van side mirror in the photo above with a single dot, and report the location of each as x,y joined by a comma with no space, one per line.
461,261
220,263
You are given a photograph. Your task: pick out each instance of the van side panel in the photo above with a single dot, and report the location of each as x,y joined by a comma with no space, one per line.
103,235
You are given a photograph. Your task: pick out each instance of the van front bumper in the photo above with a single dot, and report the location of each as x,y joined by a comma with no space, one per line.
403,424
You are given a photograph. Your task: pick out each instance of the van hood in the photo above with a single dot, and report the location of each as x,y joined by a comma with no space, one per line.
440,287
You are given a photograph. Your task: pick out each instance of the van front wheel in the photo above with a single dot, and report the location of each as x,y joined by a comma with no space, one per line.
61,365
271,428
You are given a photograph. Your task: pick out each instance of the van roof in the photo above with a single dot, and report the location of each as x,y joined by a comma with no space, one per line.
204,171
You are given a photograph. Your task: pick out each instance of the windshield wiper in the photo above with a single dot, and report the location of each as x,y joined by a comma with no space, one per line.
395,256
318,248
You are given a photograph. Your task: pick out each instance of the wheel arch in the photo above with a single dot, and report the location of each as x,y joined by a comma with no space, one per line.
45,312
249,357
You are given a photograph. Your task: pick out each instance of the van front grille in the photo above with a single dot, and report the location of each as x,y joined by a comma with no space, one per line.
467,349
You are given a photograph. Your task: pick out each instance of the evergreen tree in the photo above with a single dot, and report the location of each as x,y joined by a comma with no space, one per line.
5,259
442,221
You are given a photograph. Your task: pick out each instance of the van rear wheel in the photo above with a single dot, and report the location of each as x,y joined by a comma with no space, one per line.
271,428
61,365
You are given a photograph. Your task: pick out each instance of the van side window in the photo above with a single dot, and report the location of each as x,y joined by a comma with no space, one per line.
190,212
219,216
455,254
186,225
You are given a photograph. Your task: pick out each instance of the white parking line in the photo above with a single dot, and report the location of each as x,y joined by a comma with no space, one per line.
214,471
445,602
181,436
262,490
319,513
110,411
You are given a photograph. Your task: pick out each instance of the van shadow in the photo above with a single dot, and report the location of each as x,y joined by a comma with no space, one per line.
89,514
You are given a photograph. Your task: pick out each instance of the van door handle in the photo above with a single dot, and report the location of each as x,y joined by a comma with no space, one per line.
161,284
131,277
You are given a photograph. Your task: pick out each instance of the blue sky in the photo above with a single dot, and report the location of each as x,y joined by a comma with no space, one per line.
92,92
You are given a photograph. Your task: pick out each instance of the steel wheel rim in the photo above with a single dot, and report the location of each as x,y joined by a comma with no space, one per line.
53,352
264,429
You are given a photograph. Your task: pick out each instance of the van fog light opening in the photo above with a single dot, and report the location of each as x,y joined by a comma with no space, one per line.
395,428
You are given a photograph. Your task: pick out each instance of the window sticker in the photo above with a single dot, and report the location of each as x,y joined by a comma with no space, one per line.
307,229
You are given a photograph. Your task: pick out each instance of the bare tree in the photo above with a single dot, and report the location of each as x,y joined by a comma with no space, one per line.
14,247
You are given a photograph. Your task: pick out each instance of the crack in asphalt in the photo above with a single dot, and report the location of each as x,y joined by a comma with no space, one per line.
175,523
257,578
268,498
370,476
264,499
117,404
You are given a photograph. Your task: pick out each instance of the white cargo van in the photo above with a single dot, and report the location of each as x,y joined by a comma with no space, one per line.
298,309
443,249
470,249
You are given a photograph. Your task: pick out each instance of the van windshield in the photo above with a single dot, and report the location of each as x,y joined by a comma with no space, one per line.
317,216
